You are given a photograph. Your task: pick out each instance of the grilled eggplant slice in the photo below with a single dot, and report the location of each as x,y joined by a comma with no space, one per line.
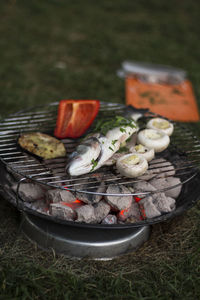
42,145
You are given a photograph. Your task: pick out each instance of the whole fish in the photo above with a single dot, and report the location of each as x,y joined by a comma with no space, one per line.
93,152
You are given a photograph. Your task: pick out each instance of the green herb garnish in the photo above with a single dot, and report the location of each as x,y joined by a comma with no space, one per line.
114,142
94,164
104,126
122,149
122,129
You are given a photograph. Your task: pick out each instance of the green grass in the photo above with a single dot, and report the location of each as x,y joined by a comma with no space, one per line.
52,50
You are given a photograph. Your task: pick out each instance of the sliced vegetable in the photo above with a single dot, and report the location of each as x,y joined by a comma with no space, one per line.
42,145
75,117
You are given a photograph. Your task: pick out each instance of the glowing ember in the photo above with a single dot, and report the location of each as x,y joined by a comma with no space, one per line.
123,214
137,199
142,211
75,204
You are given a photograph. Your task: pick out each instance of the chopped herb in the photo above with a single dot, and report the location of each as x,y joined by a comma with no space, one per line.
122,129
104,126
122,149
114,142
111,148
128,140
94,164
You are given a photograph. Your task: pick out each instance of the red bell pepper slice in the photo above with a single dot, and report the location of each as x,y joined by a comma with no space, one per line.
75,117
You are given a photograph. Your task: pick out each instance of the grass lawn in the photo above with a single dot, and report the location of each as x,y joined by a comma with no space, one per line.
56,49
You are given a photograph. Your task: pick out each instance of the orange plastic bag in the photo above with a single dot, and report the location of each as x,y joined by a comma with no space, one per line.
174,101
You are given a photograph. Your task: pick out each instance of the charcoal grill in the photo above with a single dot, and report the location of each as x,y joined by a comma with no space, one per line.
82,239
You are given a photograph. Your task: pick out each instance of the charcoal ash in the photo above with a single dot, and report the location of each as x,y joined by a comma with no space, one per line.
143,187
163,203
30,192
154,203
109,220
58,195
105,209
101,210
97,187
62,211
38,205
118,202
148,208
157,204
166,183
132,213
86,214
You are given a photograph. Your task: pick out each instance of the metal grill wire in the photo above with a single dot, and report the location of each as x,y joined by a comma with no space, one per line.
183,152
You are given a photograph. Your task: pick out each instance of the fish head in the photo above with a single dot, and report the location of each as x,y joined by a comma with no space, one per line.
80,161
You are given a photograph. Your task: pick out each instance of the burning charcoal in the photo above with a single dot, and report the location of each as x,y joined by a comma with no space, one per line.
53,196
38,205
118,202
159,168
164,183
75,204
101,210
30,191
57,195
93,185
164,204
150,209
86,214
143,186
110,219
132,219
133,212
62,211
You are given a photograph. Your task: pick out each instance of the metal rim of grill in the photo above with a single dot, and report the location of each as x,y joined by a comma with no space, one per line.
43,119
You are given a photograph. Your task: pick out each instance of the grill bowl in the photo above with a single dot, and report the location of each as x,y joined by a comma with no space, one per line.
183,153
